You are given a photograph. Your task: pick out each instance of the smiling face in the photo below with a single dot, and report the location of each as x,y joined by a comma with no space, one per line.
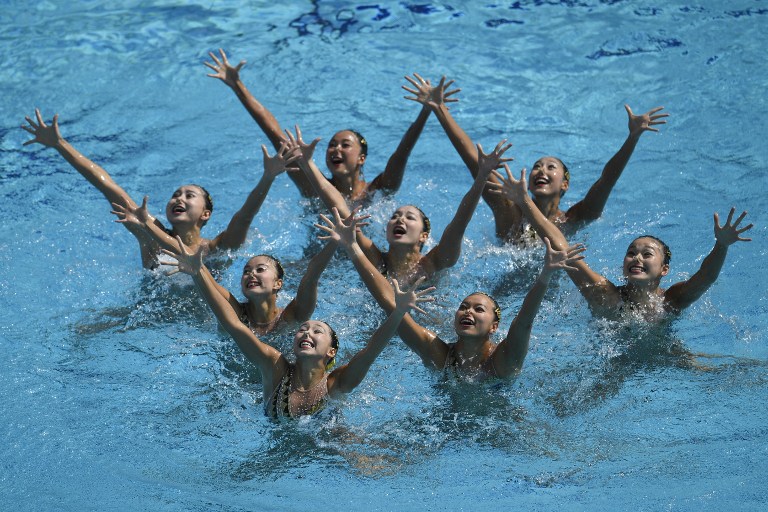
548,178
644,262
187,206
314,340
406,226
476,317
260,277
345,154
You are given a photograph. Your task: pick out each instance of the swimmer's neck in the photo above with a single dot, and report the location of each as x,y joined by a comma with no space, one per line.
350,186
307,374
190,235
262,311
403,261
473,351
549,206
642,294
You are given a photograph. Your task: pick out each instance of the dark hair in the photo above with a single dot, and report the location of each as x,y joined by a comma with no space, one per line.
496,308
275,262
334,344
362,141
207,197
664,247
566,174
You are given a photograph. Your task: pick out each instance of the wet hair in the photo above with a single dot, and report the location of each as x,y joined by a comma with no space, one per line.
496,308
206,196
424,220
664,247
334,344
566,174
361,140
275,262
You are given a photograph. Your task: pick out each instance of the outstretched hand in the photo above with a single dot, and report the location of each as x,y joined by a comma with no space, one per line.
562,260
341,230
281,160
304,150
136,216
493,160
188,263
645,122
433,97
47,135
508,187
224,71
729,234
406,300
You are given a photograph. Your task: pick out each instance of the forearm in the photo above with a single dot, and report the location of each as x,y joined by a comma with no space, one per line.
358,366
376,283
392,177
306,294
543,226
263,117
95,175
458,137
325,190
449,247
237,230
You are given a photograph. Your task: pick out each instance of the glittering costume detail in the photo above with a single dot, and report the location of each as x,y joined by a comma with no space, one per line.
452,366
257,328
288,402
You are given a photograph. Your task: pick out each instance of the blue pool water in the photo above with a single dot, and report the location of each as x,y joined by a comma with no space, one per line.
119,392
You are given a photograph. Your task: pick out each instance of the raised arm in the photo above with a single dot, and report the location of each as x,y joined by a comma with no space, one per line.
432,350
347,377
510,353
269,360
681,295
596,289
49,136
236,232
390,180
505,213
591,207
230,75
300,309
331,197
446,253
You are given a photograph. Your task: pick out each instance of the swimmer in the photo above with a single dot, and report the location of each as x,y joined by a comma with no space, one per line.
646,262
303,387
347,150
187,211
474,356
408,228
550,177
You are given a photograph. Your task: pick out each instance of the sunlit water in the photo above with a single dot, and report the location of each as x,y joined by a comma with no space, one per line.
120,393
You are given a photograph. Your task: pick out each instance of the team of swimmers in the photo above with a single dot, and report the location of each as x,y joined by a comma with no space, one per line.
524,209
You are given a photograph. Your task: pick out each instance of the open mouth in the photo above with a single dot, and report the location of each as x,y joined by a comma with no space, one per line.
541,180
636,269
336,159
467,321
252,284
178,209
398,230
306,344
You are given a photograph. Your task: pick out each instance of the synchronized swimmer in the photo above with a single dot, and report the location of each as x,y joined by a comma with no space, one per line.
303,383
